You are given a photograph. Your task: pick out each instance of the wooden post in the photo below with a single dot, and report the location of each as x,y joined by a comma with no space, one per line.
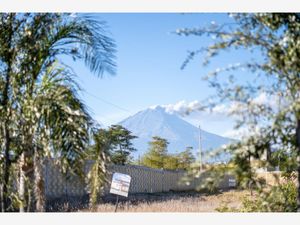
117,203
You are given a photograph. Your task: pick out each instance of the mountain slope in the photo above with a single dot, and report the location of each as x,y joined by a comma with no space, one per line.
180,134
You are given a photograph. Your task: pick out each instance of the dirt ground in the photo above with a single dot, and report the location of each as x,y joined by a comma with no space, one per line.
173,202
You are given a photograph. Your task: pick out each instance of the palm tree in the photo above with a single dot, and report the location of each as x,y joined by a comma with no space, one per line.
39,41
99,153
59,124
8,52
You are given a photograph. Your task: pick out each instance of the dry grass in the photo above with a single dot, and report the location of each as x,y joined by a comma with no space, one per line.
197,203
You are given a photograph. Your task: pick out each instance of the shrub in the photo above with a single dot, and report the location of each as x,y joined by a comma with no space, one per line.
280,198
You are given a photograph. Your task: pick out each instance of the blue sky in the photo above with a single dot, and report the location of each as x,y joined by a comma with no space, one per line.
149,57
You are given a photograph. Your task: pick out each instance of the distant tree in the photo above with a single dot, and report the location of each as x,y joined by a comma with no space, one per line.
171,162
122,146
157,153
185,159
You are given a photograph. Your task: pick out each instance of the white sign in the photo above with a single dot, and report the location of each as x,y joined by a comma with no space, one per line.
120,184
231,182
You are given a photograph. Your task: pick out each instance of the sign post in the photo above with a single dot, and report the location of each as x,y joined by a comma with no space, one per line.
117,203
120,186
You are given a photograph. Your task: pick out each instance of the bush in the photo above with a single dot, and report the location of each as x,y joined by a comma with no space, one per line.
280,198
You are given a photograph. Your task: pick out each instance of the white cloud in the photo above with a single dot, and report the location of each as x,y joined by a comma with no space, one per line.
234,107
182,107
214,121
221,118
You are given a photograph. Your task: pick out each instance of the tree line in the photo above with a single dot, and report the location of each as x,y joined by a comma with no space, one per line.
120,149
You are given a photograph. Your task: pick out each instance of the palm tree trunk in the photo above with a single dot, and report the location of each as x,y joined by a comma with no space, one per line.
298,161
39,192
4,103
7,161
6,169
94,185
22,183
26,181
